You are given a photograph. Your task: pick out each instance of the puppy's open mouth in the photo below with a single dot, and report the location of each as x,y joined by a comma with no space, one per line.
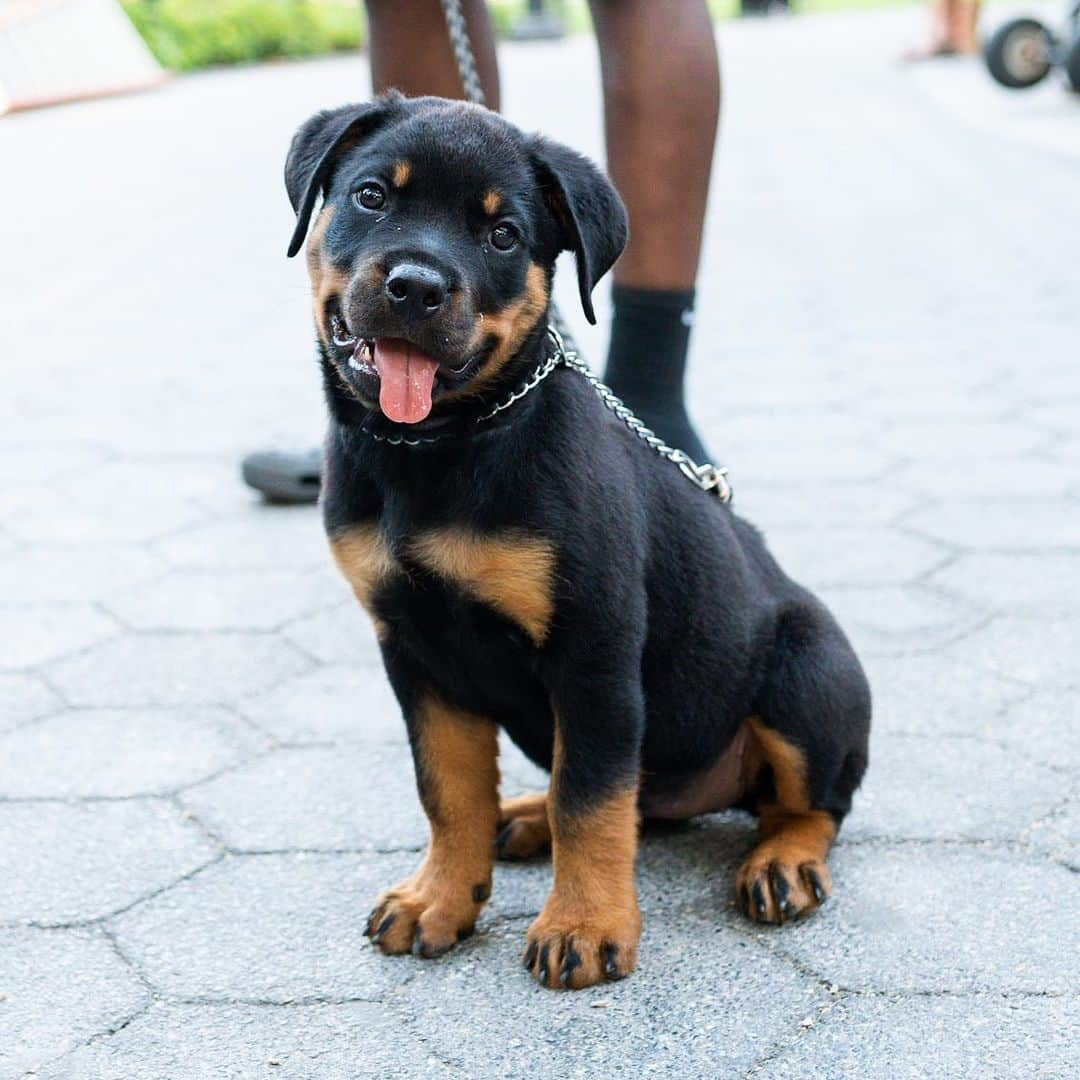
405,372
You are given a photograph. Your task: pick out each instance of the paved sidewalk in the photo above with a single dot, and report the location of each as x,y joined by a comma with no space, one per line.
203,780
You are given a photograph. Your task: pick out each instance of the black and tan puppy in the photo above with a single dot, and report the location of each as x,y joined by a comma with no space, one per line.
541,569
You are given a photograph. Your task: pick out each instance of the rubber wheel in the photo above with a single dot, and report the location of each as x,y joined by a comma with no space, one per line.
1019,53
1072,65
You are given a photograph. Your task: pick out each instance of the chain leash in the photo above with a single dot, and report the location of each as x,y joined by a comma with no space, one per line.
463,54
706,476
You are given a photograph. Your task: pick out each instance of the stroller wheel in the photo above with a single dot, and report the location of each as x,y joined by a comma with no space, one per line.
1020,53
1072,65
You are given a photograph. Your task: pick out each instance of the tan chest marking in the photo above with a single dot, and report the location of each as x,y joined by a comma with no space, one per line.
364,560
512,572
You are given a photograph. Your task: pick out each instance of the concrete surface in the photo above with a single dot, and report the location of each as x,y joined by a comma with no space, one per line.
203,779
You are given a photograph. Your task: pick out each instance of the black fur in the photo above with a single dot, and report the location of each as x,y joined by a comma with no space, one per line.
314,150
594,225
672,623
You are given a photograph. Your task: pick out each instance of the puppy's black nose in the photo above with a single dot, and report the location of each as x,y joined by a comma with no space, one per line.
417,291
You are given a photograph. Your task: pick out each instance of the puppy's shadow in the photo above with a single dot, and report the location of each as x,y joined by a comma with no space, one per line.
691,864
681,866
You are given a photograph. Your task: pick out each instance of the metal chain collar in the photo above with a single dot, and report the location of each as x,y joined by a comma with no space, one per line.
534,380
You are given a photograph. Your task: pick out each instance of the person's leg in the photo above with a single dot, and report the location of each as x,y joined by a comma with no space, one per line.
942,22
965,21
411,51
661,79
942,39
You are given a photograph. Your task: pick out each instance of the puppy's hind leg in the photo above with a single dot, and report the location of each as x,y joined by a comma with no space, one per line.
524,828
810,736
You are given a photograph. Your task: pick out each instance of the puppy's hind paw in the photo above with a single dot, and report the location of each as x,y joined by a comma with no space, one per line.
524,829
776,892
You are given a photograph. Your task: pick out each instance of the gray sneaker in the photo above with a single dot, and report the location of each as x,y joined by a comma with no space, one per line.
284,477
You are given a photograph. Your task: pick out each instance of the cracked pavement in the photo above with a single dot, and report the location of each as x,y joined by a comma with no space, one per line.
203,777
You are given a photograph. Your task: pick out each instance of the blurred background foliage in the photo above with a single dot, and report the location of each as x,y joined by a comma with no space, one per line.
189,34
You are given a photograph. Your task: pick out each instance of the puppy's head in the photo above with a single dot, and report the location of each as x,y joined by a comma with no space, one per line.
432,255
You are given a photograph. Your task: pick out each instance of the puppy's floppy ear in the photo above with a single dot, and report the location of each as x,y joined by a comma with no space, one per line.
588,210
316,146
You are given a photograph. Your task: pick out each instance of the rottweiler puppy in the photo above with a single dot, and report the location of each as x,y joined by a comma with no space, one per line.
536,567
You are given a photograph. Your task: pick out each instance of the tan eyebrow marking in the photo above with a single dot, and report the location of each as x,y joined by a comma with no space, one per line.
491,202
402,172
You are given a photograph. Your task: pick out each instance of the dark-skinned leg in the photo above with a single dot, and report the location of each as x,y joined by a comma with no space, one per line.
410,51
661,109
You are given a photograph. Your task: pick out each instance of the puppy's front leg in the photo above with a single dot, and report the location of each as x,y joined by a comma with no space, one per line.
589,927
456,771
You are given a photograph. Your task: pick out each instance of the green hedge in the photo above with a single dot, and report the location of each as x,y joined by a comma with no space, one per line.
186,34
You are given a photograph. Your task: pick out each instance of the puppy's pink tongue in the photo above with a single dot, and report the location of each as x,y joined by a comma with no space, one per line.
406,376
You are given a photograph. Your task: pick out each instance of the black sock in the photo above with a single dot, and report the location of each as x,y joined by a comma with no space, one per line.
650,333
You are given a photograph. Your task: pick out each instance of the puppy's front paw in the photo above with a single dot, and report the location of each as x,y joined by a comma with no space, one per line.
572,949
774,890
418,917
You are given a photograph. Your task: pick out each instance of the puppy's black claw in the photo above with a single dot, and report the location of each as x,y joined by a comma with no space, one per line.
503,837
417,941
481,892
759,899
744,899
815,884
369,927
780,890
543,972
570,961
382,928
530,956
611,969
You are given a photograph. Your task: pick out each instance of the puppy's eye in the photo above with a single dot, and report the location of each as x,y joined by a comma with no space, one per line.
504,236
370,197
